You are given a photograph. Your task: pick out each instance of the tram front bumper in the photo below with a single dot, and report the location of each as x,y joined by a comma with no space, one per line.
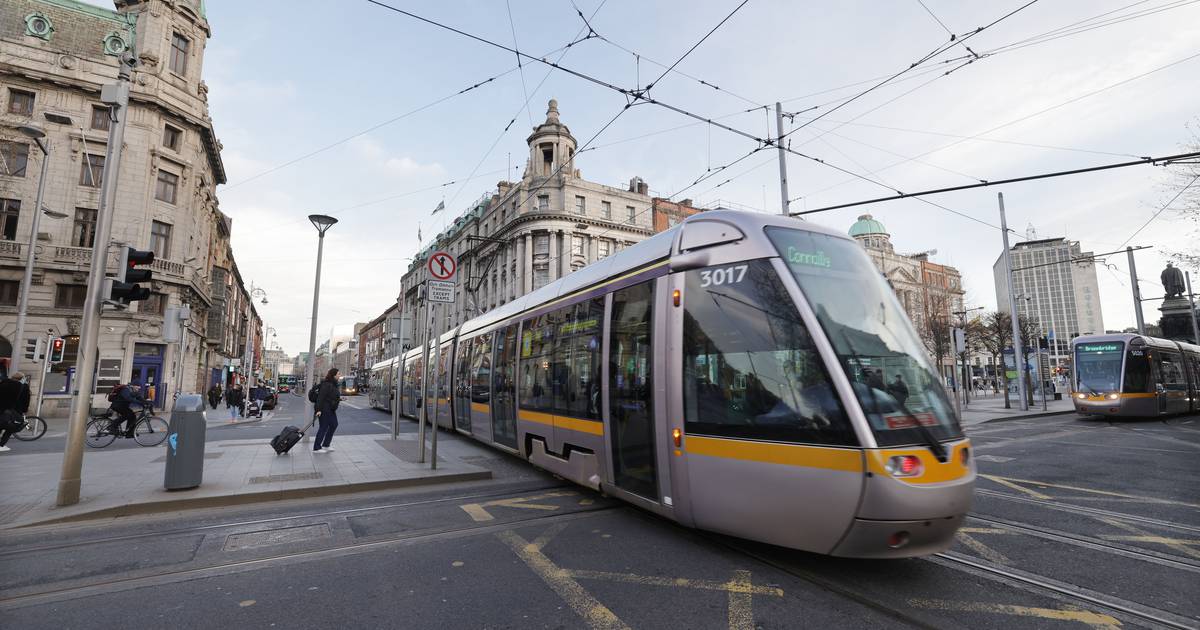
898,539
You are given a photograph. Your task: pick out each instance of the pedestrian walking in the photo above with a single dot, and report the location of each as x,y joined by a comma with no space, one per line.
328,400
14,402
214,395
234,399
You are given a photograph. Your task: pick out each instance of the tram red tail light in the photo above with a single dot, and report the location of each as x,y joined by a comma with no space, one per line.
903,466
898,540
965,455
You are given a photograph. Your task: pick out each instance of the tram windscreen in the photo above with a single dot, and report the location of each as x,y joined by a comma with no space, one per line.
1098,366
888,368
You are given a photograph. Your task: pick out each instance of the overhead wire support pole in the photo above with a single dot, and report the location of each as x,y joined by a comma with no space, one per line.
1137,293
783,182
116,95
1012,307
1187,276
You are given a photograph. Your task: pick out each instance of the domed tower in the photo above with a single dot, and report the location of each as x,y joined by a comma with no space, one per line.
871,234
550,144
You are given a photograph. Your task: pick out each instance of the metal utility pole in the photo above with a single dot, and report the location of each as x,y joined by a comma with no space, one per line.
27,281
116,96
783,186
37,410
422,396
1018,354
1187,275
437,363
1137,293
322,223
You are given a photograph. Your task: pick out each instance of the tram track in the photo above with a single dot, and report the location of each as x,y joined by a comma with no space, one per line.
1088,511
127,582
183,531
1063,589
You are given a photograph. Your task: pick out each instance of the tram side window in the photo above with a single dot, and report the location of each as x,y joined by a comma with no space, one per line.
1137,373
1170,367
578,355
751,369
481,368
443,380
537,358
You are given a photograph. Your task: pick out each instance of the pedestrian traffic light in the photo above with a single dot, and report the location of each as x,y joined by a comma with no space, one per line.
58,347
33,349
126,287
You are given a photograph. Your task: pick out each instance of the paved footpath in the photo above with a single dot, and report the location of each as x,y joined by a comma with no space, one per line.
991,409
130,481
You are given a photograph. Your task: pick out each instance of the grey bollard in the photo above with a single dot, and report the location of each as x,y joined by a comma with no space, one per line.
185,444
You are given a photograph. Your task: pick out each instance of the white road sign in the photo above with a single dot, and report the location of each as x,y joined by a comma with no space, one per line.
440,291
442,266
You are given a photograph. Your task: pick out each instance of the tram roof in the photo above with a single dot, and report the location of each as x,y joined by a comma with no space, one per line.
1155,342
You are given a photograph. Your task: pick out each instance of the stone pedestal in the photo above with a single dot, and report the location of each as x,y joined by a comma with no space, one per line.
1176,320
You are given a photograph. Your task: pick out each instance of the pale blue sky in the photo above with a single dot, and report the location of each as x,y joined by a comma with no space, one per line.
289,77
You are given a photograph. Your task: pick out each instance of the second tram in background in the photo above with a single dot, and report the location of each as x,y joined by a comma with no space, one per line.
1135,376
741,373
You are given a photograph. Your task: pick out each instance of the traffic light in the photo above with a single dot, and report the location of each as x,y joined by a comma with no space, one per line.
33,349
58,347
126,287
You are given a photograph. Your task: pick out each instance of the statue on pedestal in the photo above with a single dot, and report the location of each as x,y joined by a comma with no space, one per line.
1172,281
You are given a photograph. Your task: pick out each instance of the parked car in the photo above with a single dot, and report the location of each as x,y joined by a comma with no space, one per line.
283,389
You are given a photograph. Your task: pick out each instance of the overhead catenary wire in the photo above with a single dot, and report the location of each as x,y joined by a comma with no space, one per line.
937,19
1182,189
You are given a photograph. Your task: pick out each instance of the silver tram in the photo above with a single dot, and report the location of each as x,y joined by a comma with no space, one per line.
1135,376
739,373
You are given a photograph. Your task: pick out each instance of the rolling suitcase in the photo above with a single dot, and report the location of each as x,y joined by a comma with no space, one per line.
288,437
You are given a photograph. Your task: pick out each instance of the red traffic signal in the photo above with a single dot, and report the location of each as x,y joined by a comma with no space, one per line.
58,348
125,287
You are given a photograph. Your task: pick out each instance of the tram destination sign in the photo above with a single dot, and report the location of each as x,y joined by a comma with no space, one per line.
440,291
1100,347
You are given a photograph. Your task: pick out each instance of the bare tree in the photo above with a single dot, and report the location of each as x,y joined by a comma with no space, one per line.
1031,330
995,335
935,329
1183,186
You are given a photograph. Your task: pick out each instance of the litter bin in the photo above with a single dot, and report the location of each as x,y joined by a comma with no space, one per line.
185,444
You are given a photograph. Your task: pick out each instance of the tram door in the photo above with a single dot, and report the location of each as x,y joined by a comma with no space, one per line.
462,386
630,388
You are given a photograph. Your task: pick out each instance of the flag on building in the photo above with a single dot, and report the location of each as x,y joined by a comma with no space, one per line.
418,232
441,206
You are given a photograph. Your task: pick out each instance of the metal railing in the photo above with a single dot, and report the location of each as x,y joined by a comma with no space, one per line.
10,249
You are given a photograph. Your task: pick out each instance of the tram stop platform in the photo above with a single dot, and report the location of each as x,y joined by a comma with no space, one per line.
129,481
990,408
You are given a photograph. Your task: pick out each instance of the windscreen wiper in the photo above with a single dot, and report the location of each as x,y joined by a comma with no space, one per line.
935,447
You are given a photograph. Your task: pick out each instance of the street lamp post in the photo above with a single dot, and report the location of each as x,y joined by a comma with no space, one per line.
38,135
322,223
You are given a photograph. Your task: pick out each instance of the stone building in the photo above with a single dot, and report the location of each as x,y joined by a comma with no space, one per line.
930,293
54,57
528,233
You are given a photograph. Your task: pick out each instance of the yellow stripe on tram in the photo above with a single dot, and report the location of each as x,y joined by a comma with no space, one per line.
849,460
592,427
481,407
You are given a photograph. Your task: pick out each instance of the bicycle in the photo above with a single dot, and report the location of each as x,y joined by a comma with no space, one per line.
149,430
34,428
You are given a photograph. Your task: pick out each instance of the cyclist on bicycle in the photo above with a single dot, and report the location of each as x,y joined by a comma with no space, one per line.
128,396
14,402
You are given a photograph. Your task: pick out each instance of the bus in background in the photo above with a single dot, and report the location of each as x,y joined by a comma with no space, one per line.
286,383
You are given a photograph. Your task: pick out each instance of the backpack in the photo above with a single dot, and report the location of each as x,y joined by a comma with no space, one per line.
312,393
115,393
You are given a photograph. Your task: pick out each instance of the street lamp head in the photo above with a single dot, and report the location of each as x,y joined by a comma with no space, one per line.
264,300
322,222
53,214
33,131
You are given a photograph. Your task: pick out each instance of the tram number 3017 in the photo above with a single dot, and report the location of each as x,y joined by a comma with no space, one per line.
725,275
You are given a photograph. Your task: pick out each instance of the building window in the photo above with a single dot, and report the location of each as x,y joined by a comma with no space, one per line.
154,305
10,211
580,205
577,245
20,102
101,117
85,228
167,186
602,249
69,295
172,137
14,157
8,292
91,170
543,203
160,239
179,52
632,214
606,206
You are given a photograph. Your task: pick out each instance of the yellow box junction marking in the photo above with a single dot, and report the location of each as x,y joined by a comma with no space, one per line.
1067,613
740,589
963,535
1181,545
1012,483
477,511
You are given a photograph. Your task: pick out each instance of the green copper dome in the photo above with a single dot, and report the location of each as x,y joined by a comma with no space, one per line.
865,225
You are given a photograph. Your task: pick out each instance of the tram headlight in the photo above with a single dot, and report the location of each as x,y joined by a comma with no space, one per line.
1114,396
1080,395
904,466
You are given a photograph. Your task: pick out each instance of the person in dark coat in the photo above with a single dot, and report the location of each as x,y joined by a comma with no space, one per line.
328,399
214,395
14,396
234,400
898,389
127,398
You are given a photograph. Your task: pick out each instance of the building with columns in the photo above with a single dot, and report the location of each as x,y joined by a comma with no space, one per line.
528,233
56,55
929,292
